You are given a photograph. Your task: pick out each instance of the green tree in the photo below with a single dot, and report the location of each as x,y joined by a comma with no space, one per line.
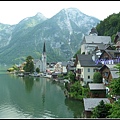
37,70
71,76
115,83
15,67
109,26
117,66
115,87
101,110
29,66
76,90
115,110
97,77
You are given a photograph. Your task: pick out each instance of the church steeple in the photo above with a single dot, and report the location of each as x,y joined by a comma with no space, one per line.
44,57
44,49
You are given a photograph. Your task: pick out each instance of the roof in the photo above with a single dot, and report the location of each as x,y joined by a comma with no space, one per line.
111,66
114,74
99,45
86,61
44,49
93,30
111,53
97,86
118,33
36,60
97,39
90,103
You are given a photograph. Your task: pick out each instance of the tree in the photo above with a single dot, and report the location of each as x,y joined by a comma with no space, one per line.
37,70
118,68
97,77
29,66
115,87
71,76
101,110
115,83
115,110
76,90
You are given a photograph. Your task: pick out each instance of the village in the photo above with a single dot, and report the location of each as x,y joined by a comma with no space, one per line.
98,54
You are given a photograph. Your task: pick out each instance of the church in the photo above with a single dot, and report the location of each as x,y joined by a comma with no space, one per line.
41,63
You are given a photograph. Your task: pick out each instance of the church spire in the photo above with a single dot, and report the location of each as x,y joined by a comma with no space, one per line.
44,49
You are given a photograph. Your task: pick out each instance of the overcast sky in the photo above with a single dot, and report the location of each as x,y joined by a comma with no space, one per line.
12,12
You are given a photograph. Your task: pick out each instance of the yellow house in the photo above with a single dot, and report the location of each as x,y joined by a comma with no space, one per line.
86,67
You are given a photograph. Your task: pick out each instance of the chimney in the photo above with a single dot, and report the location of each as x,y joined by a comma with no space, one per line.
93,57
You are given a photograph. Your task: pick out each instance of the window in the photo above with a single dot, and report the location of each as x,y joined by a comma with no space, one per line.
88,69
106,74
88,77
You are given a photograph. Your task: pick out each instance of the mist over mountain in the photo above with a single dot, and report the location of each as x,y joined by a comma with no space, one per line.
62,34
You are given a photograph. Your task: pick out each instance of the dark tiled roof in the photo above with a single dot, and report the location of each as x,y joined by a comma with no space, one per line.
111,53
93,30
86,61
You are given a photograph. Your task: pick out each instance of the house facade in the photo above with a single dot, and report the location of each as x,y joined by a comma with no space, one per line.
90,43
97,90
85,68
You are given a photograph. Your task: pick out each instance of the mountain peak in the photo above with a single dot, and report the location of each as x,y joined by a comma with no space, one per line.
40,15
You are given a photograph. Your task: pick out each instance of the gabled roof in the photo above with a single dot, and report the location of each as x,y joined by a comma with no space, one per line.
111,66
97,39
114,74
117,37
36,60
97,86
90,103
93,30
86,61
111,53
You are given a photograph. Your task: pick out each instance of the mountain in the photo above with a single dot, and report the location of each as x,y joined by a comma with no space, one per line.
62,34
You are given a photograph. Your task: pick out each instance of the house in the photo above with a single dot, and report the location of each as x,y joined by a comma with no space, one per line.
86,67
58,67
37,63
117,37
90,103
90,43
70,66
108,73
64,67
110,57
117,41
97,90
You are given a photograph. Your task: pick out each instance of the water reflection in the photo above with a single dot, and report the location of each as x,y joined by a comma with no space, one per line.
29,81
78,113
30,97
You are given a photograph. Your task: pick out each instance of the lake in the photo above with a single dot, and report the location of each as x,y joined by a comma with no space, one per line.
29,97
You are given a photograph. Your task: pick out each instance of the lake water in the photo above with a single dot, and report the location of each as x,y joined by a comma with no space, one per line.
29,97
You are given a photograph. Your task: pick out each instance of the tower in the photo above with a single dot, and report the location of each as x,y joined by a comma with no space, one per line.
44,59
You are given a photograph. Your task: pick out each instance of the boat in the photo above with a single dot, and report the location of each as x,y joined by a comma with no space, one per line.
21,75
35,75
